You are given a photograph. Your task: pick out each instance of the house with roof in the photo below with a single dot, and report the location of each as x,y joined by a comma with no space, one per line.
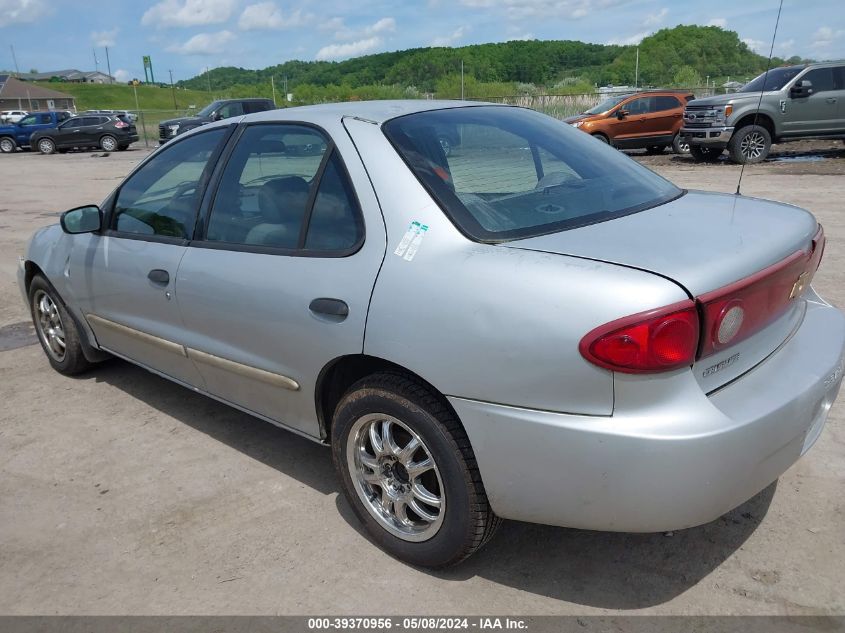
71,75
20,95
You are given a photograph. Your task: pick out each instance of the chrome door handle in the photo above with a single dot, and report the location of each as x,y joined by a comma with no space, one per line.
159,276
330,307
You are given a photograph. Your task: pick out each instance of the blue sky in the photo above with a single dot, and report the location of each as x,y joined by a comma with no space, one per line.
187,35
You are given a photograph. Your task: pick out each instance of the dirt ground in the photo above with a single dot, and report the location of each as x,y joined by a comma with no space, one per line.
121,493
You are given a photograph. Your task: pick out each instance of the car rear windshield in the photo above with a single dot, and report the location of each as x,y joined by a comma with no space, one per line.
515,173
775,79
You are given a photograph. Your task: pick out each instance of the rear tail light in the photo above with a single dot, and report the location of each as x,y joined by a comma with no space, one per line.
653,341
120,124
675,336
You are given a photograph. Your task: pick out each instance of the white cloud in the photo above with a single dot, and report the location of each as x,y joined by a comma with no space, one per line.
539,9
176,13
720,22
203,44
636,38
448,40
104,38
268,16
343,32
351,49
21,11
122,75
656,18
825,36
758,46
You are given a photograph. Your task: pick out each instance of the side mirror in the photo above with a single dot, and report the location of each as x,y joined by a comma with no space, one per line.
802,88
621,114
87,219
217,116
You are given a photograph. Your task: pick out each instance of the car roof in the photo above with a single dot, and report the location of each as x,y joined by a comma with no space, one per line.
375,111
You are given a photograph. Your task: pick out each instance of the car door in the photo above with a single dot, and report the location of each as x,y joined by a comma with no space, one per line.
839,94
816,113
31,124
280,283
123,279
89,133
68,132
665,118
630,127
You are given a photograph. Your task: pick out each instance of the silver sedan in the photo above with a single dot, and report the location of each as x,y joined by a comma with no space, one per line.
533,327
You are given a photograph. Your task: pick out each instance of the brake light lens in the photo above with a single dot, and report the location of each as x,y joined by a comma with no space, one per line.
648,342
120,124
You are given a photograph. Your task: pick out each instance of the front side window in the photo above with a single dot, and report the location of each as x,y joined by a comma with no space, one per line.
71,123
821,79
32,119
271,189
604,106
161,198
641,105
230,110
518,173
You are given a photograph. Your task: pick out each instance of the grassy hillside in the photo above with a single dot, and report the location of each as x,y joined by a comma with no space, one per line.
122,97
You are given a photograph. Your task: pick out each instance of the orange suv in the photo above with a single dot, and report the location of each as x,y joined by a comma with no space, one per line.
651,120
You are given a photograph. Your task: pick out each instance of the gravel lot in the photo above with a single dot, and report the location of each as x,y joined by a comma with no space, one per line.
121,493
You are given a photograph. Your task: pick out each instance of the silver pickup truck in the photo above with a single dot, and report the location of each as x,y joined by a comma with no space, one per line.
798,102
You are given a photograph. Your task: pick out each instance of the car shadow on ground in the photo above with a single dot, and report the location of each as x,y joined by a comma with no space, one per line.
598,569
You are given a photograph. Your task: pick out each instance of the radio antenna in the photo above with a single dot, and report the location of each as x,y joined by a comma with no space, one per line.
762,88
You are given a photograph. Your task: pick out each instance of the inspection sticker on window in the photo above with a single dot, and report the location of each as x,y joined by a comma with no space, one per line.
411,241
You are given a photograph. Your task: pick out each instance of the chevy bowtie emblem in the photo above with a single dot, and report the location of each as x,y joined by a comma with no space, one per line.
799,285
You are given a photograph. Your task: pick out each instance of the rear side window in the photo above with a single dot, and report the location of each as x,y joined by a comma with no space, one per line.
517,173
90,120
161,197
281,190
46,118
667,103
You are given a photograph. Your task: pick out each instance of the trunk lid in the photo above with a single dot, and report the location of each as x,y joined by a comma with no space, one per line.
705,242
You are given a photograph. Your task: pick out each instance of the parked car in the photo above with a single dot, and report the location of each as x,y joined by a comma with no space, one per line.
18,134
12,116
215,111
126,113
787,104
537,329
648,120
108,132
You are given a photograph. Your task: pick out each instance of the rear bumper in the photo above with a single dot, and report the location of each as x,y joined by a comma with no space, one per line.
667,461
709,136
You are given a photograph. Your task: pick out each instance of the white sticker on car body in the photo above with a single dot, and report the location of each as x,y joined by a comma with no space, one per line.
413,229
415,243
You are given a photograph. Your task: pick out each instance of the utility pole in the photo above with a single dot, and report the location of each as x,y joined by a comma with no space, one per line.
273,88
15,59
96,62
208,76
286,88
462,80
637,71
108,64
173,90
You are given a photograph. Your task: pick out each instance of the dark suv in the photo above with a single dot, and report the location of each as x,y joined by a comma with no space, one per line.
221,109
108,132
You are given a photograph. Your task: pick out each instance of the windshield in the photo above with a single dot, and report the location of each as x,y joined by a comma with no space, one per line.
515,173
207,110
606,105
776,79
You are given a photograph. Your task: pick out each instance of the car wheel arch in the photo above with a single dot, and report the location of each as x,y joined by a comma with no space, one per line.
338,375
761,119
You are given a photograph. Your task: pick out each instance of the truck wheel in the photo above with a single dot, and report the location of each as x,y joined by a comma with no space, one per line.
704,154
56,329
409,472
46,146
7,145
679,145
750,144
108,143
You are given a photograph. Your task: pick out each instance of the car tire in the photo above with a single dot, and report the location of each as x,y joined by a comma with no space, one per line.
7,145
46,146
655,149
434,518
750,144
108,143
704,154
602,138
679,145
56,329
122,148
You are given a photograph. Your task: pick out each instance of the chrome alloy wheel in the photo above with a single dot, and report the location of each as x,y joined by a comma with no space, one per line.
108,144
752,145
49,324
396,477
